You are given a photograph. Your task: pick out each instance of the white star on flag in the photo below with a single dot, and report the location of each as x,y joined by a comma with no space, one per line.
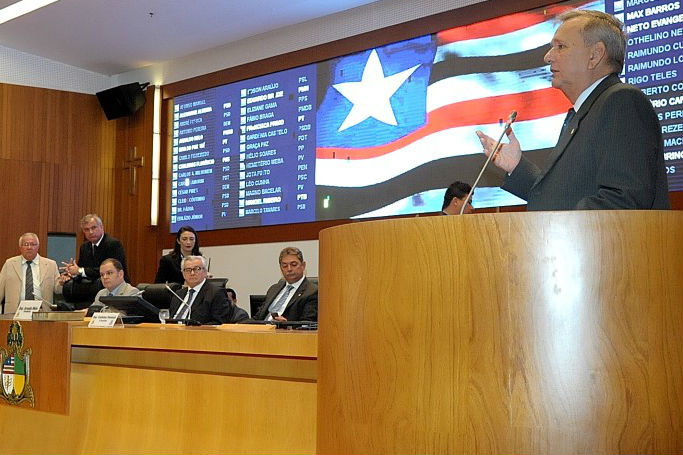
371,96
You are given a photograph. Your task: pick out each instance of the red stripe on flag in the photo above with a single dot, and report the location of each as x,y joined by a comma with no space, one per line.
9,367
529,106
499,25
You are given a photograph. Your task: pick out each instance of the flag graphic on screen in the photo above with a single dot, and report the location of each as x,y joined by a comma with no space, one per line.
465,79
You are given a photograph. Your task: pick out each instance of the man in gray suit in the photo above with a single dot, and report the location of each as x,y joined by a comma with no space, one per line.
294,297
113,280
28,276
610,151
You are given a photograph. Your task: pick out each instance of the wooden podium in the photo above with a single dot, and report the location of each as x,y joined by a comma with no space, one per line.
524,333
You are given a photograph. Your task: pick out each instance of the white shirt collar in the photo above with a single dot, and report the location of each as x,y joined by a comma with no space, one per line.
99,241
35,259
586,93
296,285
198,287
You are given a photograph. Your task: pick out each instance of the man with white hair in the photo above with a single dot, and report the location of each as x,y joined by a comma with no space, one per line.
28,276
202,300
609,152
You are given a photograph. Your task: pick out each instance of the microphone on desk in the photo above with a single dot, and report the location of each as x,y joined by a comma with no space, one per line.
173,292
182,301
511,119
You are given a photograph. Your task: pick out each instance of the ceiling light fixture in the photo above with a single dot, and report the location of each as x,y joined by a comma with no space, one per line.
20,8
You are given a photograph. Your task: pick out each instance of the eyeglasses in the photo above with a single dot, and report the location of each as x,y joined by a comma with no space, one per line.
193,269
27,244
108,273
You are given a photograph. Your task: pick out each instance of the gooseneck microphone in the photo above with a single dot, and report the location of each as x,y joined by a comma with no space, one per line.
183,304
510,121
173,292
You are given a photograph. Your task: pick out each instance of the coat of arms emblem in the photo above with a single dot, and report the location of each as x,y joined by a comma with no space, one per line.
15,368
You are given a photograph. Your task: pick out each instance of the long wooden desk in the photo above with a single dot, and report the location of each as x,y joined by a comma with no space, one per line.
156,389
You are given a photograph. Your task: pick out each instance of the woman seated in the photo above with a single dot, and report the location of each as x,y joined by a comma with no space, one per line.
186,244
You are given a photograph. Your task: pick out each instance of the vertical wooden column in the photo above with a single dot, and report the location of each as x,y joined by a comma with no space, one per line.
503,333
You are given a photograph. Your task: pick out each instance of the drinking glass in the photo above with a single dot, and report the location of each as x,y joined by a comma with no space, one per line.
163,315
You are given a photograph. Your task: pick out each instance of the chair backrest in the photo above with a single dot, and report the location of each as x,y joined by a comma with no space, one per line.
255,302
220,282
157,294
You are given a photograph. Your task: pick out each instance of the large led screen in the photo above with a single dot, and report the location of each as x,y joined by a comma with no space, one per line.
382,132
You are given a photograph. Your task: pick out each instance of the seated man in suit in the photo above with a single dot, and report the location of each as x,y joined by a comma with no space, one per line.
293,298
111,272
28,276
203,301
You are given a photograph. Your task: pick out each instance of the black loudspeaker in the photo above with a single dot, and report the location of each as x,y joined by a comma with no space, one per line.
123,100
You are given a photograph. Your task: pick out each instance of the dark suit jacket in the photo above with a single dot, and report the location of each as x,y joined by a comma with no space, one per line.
210,306
303,306
609,157
169,269
109,247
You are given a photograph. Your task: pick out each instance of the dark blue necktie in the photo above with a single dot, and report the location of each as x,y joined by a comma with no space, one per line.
184,310
567,119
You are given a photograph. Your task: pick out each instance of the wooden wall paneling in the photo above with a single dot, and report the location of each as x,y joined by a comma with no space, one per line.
56,155
22,201
131,221
66,202
43,206
17,114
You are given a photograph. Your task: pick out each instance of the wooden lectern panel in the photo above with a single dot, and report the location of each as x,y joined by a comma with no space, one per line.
503,333
47,367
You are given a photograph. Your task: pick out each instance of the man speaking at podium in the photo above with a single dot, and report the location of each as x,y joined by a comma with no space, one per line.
610,153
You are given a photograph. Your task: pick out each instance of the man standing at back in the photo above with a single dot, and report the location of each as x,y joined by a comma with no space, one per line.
610,152
28,276
293,298
97,247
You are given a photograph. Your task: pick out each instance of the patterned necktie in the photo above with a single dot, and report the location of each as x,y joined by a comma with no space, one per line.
28,295
184,310
279,306
567,119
